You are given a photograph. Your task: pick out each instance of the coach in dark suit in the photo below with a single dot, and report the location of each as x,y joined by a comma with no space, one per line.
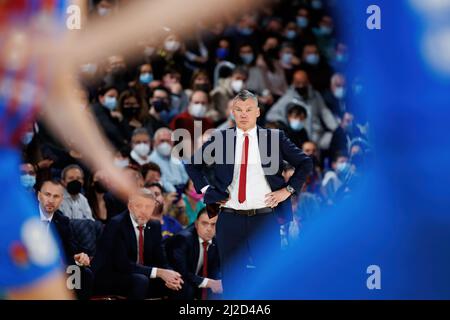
193,253
129,259
247,163
50,196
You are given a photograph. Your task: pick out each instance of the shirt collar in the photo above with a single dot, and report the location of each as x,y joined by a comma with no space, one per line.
135,225
44,215
251,132
200,240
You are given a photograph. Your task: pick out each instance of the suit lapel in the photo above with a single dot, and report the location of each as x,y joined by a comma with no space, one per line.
130,236
147,242
196,246
229,165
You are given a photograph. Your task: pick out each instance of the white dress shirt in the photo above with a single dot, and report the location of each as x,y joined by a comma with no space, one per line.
200,261
45,217
136,231
257,186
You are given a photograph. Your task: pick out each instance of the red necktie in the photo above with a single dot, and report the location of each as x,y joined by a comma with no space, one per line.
205,268
243,172
141,245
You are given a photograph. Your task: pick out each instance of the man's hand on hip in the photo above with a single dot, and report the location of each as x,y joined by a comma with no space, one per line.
275,197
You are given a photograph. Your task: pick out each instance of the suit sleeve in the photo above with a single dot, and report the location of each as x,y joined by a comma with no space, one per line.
196,165
180,253
298,159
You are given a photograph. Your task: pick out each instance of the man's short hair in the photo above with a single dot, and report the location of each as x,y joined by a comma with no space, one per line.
140,131
70,167
51,181
297,109
155,184
144,193
202,211
244,95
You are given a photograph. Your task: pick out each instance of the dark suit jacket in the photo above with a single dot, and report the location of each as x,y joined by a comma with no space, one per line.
275,148
183,251
61,224
117,248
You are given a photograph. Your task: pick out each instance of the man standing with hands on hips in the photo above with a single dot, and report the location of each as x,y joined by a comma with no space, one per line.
246,164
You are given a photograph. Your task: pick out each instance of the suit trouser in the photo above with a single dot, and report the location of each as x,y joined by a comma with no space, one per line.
246,244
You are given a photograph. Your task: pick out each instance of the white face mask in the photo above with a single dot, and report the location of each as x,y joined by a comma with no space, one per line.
339,92
197,110
103,12
237,85
121,163
164,149
142,149
171,45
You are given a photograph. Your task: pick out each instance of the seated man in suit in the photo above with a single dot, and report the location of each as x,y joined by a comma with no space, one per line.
130,259
50,196
193,253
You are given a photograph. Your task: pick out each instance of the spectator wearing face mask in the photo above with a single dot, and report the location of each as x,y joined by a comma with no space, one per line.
75,205
143,82
320,122
296,131
318,70
256,81
169,225
103,8
334,178
325,37
179,100
195,116
160,104
226,90
169,56
135,114
343,135
193,202
199,81
140,147
116,73
288,60
28,176
173,174
107,116
335,97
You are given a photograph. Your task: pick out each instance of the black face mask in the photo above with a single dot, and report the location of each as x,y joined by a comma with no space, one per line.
130,112
160,105
99,188
203,87
74,187
303,91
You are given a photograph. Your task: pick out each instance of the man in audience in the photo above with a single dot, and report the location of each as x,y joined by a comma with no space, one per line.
193,253
130,260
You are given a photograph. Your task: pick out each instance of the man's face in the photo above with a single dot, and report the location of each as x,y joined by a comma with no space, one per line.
164,136
309,149
246,112
300,79
141,208
347,121
309,49
115,64
206,228
152,176
71,175
140,138
50,197
338,82
158,194
199,97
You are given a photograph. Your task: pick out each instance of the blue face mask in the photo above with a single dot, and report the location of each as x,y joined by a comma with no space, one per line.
326,31
222,53
247,58
291,34
27,137
110,102
312,58
286,58
246,31
340,57
343,169
316,4
28,181
302,22
296,124
339,92
146,78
